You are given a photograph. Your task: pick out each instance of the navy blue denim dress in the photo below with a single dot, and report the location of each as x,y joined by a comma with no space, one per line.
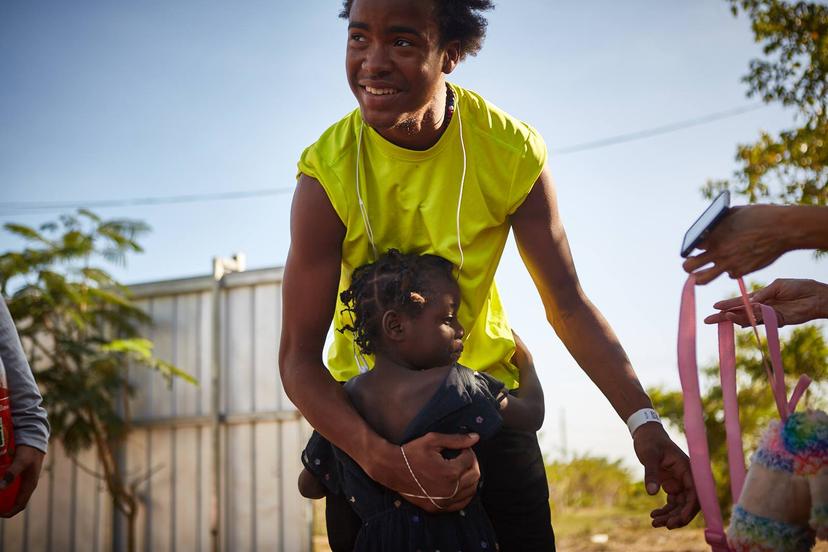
466,402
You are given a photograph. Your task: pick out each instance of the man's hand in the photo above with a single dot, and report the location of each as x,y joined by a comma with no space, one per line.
455,478
27,463
795,302
747,239
666,466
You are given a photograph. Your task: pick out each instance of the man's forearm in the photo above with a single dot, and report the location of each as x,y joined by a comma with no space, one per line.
595,347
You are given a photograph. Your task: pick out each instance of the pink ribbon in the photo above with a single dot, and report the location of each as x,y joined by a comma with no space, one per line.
693,417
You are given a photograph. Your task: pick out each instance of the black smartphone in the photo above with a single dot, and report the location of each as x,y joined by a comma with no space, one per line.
711,216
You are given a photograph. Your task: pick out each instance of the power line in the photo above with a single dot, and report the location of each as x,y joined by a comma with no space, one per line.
187,198
655,131
17,208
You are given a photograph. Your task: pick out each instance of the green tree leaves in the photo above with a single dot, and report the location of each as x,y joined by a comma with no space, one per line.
82,332
791,167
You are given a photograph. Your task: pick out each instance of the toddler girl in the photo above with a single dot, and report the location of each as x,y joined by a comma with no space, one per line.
404,311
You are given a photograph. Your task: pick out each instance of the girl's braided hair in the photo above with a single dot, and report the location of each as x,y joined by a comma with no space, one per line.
395,281
457,20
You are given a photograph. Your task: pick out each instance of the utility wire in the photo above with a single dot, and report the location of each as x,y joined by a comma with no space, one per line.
188,198
16,208
655,131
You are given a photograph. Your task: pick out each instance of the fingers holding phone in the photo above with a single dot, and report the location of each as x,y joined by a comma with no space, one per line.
741,241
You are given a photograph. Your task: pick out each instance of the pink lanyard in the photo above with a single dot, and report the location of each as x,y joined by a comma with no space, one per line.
693,418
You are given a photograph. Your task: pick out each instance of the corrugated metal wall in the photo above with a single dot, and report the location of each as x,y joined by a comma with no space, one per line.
170,450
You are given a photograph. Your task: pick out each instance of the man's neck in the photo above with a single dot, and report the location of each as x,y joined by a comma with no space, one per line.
422,130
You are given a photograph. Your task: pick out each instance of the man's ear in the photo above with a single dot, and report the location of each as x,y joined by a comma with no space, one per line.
393,326
451,56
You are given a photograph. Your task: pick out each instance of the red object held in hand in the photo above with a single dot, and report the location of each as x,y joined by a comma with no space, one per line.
8,496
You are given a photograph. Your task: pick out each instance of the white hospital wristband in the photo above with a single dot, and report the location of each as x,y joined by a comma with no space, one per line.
642,417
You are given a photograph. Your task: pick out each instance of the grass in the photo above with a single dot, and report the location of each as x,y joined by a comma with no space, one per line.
594,530
574,530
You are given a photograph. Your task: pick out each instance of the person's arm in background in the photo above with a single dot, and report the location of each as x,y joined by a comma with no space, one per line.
795,302
31,424
753,236
543,245
309,288
524,409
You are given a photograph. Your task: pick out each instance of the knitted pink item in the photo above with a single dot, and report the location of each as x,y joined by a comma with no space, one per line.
775,510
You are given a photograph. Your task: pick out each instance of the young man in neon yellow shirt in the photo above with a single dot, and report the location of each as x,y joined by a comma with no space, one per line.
428,167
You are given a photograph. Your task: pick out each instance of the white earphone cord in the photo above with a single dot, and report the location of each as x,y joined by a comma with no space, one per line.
462,183
364,212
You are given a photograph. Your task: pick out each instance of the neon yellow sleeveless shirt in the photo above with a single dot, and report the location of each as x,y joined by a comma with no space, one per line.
411,201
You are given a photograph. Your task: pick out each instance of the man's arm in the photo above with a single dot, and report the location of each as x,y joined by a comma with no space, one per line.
543,245
309,287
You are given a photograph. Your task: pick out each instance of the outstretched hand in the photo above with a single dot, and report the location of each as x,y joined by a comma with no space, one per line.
795,302
667,467
455,478
746,240
26,465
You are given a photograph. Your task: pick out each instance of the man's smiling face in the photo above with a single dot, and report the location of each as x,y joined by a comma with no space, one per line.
394,61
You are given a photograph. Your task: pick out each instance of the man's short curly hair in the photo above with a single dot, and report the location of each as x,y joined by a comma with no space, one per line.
396,281
457,20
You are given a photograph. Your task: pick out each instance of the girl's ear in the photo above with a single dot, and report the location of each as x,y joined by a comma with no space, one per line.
393,326
451,56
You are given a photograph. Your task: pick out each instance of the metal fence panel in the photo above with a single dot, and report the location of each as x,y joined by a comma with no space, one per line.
87,508
238,488
136,468
238,379
186,512
186,354
61,504
169,452
267,385
268,529
160,497
295,520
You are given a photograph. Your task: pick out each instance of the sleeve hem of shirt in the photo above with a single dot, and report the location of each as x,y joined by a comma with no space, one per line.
34,442
328,192
541,165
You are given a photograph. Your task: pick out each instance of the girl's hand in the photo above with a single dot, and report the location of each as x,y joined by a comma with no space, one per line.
523,408
795,302
522,357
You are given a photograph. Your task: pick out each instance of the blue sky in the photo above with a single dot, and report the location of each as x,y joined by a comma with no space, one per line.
115,100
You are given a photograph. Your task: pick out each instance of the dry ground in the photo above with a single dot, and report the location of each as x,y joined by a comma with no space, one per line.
625,540
576,531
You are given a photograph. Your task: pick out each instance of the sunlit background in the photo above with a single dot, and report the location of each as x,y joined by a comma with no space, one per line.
192,115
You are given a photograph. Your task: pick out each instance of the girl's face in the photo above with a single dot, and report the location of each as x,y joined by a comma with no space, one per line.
394,61
434,336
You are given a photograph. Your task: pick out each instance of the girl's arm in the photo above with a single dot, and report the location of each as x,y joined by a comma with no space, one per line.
524,409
